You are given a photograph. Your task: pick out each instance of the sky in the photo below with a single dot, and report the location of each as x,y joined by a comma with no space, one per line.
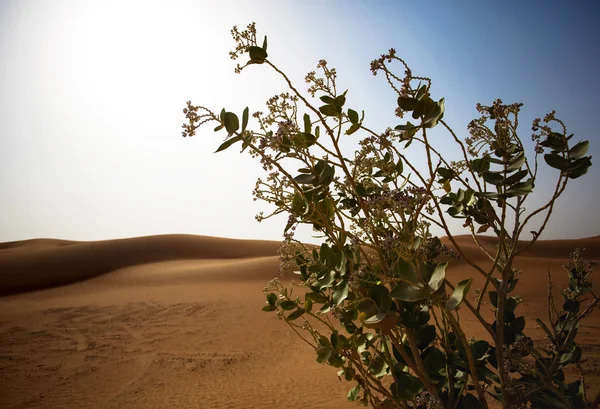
92,92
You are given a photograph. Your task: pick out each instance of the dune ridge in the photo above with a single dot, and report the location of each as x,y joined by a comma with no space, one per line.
175,321
41,263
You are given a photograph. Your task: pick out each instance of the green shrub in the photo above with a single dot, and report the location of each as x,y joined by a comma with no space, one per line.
374,299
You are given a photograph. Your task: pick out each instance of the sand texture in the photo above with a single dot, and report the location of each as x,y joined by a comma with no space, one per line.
175,321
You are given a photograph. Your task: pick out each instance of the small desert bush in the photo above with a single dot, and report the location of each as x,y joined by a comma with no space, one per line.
374,300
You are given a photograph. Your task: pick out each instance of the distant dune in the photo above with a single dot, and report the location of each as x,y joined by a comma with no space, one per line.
175,321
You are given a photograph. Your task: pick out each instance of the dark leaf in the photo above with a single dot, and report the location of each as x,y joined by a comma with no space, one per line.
307,123
556,161
287,305
407,103
305,179
515,178
406,387
492,178
244,119
264,46
471,402
296,314
330,110
257,54
353,116
425,336
580,167
228,143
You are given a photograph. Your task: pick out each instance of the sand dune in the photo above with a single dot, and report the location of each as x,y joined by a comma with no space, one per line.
42,263
174,321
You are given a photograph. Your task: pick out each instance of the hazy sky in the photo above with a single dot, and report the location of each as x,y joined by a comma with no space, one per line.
91,98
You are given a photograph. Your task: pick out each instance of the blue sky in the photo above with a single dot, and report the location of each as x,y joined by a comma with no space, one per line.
91,96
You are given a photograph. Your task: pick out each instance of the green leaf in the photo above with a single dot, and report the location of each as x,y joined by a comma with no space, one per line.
377,318
330,110
437,278
304,140
381,296
308,305
269,308
434,115
409,293
296,314
325,281
420,108
461,289
218,128
353,116
520,189
493,178
340,100
353,394
516,162
228,143
324,353
298,204
480,165
378,367
406,272
557,162
353,128
316,297
231,122
244,119
327,99
421,91
445,174
257,54
340,293
307,123
579,150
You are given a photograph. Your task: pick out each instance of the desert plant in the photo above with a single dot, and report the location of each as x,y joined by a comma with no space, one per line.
373,300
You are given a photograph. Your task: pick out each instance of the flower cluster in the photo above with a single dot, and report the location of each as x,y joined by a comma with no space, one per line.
482,137
324,84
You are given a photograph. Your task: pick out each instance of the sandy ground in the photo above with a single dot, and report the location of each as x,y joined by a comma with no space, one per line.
174,321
